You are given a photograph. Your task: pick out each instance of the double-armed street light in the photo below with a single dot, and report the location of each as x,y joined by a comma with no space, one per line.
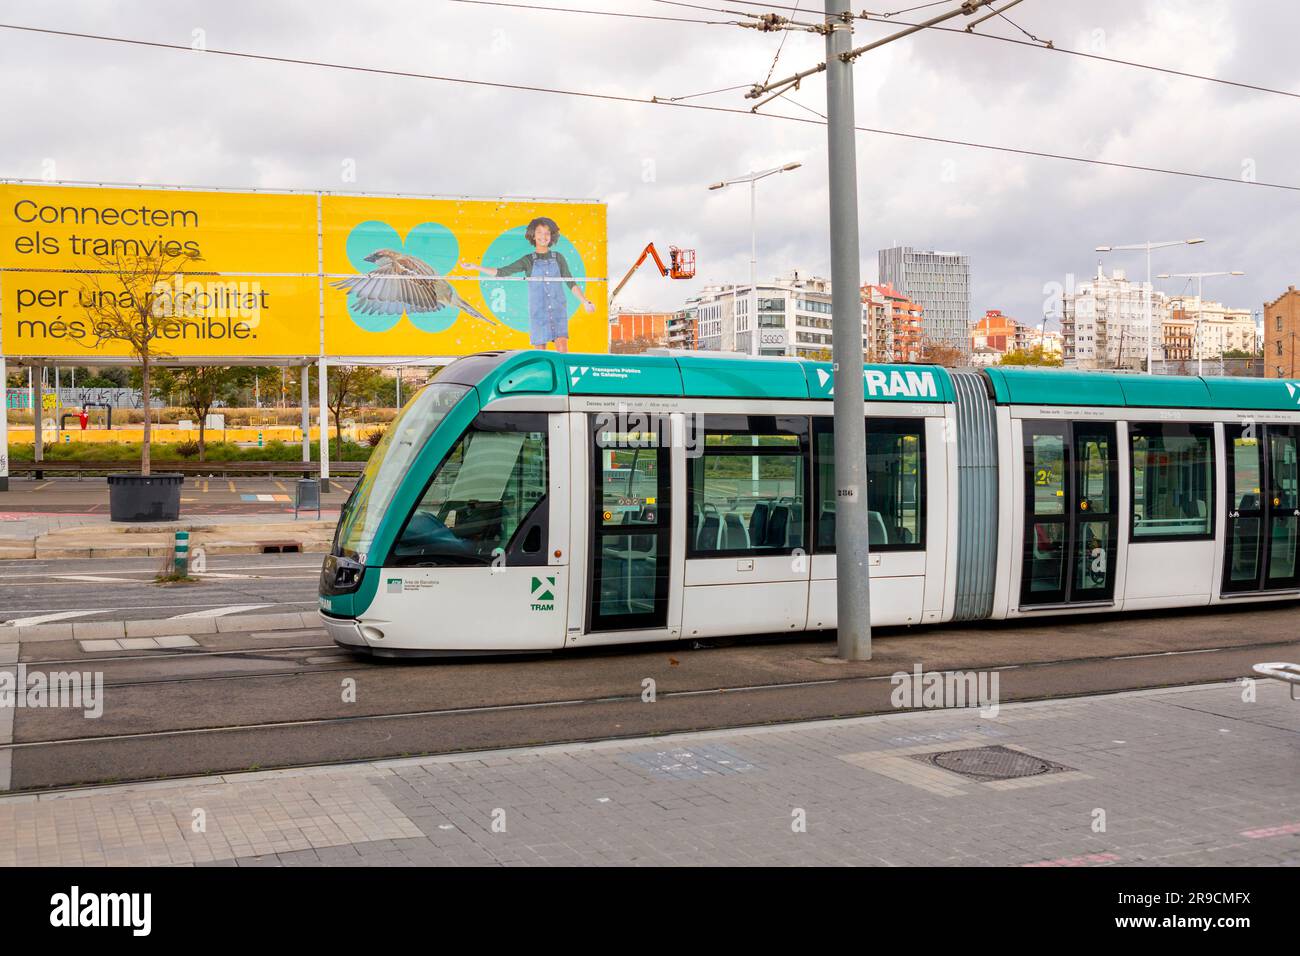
753,178
1199,277
1148,246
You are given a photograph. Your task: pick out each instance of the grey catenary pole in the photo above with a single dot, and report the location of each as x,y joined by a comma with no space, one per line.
852,565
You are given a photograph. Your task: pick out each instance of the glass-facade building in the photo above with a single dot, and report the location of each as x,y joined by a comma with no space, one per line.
940,283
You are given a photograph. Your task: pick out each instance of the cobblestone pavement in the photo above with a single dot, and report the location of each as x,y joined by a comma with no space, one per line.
1190,776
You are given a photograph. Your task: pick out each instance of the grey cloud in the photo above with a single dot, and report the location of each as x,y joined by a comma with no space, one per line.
109,112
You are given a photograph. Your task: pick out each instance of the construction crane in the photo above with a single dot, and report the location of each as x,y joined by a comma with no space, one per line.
681,265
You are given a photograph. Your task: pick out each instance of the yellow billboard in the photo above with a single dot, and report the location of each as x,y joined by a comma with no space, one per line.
382,276
452,276
251,282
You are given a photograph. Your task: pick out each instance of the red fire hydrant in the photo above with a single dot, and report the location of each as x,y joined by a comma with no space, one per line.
83,418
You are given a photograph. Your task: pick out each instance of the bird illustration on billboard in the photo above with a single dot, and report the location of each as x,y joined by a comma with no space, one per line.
403,283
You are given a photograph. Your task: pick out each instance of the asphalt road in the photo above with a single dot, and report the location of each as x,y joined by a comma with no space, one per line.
124,589
246,701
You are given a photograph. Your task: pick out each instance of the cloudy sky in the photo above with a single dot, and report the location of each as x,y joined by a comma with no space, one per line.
88,110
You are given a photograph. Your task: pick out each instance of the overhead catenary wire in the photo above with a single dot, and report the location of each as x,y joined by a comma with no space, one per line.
923,6
595,13
1038,44
1046,43
793,81
1050,46
757,17
693,96
646,101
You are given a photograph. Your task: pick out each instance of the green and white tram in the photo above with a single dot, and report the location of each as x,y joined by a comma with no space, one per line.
535,501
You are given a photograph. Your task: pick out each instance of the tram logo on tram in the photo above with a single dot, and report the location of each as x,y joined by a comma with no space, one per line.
543,594
893,384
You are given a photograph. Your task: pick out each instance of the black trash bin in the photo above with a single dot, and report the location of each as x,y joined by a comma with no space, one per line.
144,497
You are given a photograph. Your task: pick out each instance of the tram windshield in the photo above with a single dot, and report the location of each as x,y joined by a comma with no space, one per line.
484,501
388,464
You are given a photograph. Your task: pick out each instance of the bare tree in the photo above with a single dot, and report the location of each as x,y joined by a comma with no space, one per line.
129,298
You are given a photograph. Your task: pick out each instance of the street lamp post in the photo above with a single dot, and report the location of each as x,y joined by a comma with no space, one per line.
1148,246
752,178
1200,307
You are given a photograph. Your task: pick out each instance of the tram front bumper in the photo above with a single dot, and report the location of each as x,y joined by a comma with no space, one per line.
345,632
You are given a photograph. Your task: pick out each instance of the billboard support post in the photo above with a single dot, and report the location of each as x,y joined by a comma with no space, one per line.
38,409
4,425
4,418
324,429
306,413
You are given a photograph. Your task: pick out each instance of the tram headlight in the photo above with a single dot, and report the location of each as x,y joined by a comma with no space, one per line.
340,575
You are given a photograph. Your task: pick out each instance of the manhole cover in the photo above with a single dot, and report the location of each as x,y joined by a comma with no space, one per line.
991,763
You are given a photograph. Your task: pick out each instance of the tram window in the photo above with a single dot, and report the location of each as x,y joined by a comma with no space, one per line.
1246,473
747,486
895,490
1173,480
490,488
629,479
1049,474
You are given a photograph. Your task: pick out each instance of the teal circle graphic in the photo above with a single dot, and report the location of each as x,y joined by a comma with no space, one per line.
429,241
508,298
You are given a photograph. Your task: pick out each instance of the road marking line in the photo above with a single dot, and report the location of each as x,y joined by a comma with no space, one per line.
255,577
150,607
46,618
1286,829
222,611
270,566
280,484
90,578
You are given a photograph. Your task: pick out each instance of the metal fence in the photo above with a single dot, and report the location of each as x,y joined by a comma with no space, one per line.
20,398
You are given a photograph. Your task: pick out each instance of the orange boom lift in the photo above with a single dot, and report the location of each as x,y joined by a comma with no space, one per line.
681,265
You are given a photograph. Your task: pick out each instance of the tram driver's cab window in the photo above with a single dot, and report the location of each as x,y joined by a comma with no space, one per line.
486,501
896,484
747,493
1173,480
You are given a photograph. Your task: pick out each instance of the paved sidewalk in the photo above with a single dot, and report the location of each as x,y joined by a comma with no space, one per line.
26,536
1192,776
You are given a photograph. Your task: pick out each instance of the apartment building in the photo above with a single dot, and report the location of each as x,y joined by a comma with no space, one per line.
939,282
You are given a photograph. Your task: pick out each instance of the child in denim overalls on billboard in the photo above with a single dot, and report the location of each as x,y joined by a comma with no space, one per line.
548,272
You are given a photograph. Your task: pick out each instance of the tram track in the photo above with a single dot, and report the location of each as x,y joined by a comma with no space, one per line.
346,661
311,737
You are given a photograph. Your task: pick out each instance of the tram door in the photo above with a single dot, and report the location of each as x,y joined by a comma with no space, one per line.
1070,513
1263,509
631,523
